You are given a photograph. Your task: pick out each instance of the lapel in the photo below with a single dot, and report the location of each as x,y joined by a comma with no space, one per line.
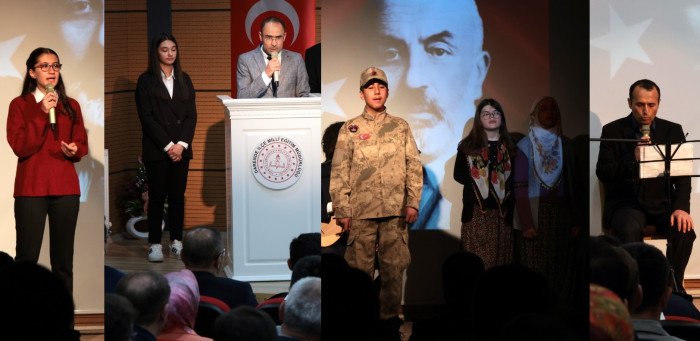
284,58
259,58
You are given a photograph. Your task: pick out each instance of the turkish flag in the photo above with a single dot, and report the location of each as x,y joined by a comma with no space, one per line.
299,18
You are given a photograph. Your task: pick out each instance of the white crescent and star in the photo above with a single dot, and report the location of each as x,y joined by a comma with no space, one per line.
263,6
623,42
7,50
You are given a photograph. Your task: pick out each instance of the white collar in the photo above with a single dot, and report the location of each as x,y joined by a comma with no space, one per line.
38,95
172,74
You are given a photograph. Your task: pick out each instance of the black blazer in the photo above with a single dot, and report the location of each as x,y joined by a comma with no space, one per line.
618,169
164,119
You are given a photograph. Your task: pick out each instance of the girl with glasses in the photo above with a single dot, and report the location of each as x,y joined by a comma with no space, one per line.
483,166
46,182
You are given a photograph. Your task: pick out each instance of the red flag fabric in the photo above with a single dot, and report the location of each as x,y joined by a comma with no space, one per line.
299,18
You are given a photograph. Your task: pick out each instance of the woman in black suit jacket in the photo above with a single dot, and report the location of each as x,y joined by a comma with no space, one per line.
165,100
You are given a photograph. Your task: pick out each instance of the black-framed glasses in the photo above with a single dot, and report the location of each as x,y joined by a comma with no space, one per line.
492,114
45,67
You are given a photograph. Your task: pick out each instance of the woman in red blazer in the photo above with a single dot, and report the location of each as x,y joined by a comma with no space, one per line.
45,130
165,100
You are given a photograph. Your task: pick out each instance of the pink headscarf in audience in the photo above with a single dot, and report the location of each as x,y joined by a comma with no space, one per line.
184,300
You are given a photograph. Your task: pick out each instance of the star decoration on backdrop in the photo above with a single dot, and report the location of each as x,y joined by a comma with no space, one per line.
329,104
623,42
7,50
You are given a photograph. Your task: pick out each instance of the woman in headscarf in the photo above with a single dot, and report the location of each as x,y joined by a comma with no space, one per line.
182,308
544,196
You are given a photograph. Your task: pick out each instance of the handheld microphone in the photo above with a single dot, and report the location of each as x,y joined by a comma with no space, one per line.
52,111
645,131
276,74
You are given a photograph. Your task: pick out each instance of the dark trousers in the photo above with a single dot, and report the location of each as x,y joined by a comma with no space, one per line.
166,178
30,219
628,225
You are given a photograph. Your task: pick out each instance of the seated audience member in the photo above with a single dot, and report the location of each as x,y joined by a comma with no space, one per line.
112,277
5,260
614,268
608,316
304,245
308,266
182,307
245,324
460,272
680,307
119,318
301,311
203,253
509,292
655,279
149,293
350,303
35,304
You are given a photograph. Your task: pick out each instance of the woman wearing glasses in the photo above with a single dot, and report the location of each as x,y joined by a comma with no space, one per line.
483,166
165,100
45,130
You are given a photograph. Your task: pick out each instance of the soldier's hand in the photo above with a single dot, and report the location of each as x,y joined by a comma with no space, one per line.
345,223
411,214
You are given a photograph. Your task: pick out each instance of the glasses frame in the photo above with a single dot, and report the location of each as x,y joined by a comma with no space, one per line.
485,114
45,67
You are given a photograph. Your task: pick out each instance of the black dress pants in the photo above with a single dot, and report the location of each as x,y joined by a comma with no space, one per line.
628,225
30,220
166,178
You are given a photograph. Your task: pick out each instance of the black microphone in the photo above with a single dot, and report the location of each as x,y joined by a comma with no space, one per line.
276,74
52,111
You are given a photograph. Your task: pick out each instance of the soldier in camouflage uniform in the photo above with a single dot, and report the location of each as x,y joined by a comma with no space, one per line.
376,184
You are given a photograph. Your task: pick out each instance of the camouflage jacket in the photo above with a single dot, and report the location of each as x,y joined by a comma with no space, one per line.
376,168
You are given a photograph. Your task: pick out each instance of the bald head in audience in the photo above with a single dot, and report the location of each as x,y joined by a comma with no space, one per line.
149,293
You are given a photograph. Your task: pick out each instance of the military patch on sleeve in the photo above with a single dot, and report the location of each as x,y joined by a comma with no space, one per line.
364,136
353,128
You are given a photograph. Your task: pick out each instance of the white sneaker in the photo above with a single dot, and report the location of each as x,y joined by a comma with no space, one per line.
175,249
155,253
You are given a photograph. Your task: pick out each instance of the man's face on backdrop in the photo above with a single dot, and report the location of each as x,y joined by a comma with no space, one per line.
432,55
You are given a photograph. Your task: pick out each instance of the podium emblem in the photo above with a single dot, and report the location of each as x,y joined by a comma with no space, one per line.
277,162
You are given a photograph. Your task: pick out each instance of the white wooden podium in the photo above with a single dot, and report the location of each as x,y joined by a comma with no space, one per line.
273,182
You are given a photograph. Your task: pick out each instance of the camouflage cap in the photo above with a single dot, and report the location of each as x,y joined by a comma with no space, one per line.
372,73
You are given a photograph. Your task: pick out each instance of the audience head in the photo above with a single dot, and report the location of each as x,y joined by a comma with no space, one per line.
302,307
349,299
608,316
184,299
6,260
203,248
149,293
119,318
330,137
305,267
35,301
303,245
460,272
528,292
245,323
654,275
613,268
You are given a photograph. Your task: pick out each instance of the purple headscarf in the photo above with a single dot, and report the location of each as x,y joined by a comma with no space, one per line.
184,300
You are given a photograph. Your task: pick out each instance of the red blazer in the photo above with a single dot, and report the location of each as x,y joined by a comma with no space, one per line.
42,168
